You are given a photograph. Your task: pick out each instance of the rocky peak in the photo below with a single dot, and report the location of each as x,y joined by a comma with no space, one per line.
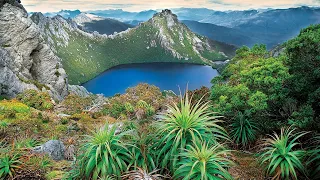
26,61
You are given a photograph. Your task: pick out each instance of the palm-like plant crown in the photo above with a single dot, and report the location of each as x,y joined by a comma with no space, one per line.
203,162
279,153
182,125
104,154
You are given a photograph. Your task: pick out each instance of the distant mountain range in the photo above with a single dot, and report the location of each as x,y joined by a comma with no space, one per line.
91,23
160,39
266,26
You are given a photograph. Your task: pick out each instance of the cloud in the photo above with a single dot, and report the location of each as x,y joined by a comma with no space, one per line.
138,5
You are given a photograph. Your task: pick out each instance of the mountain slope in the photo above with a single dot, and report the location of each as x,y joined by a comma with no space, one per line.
161,39
221,33
107,26
270,27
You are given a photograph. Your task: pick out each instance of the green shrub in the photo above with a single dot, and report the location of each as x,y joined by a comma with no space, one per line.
64,121
14,105
37,100
115,109
150,111
8,165
201,161
281,156
183,125
142,104
243,130
103,154
129,108
302,118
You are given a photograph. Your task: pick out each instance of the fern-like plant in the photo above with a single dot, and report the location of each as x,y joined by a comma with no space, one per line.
205,162
243,130
282,159
104,154
182,125
8,165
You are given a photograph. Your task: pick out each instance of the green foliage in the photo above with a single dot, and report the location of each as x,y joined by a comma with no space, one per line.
283,160
26,143
252,82
243,130
142,104
129,108
13,105
150,111
37,100
304,84
64,121
8,165
3,126
104,154
143,152
314,159
303,118
205,162
180,126
115,110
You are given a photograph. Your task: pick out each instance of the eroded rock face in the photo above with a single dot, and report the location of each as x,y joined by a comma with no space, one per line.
26,62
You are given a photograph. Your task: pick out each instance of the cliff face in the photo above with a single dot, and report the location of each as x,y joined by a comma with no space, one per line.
26,62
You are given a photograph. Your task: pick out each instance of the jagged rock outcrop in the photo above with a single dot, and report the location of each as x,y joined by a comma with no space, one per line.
26,61
79,90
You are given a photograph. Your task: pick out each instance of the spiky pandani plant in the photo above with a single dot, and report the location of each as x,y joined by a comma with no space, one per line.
280,155
243,130
104,154
181,125
141,174
143,152
314,159
205,162
8,165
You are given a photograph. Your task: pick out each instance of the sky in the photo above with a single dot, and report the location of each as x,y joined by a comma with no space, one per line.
139,5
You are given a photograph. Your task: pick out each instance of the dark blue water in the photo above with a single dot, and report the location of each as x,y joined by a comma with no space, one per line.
167,76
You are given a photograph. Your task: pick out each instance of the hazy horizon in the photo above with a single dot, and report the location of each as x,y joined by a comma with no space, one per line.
141,5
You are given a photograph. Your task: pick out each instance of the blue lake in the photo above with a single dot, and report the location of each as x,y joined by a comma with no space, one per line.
167,76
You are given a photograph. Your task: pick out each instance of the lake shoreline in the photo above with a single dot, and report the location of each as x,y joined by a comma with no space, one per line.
167,76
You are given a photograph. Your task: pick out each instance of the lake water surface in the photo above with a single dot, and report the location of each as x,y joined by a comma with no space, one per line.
167,76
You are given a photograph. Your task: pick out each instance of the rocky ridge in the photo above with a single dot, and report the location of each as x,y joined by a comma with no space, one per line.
26,62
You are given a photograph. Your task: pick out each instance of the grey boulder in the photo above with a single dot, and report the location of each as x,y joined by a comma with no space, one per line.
54,148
